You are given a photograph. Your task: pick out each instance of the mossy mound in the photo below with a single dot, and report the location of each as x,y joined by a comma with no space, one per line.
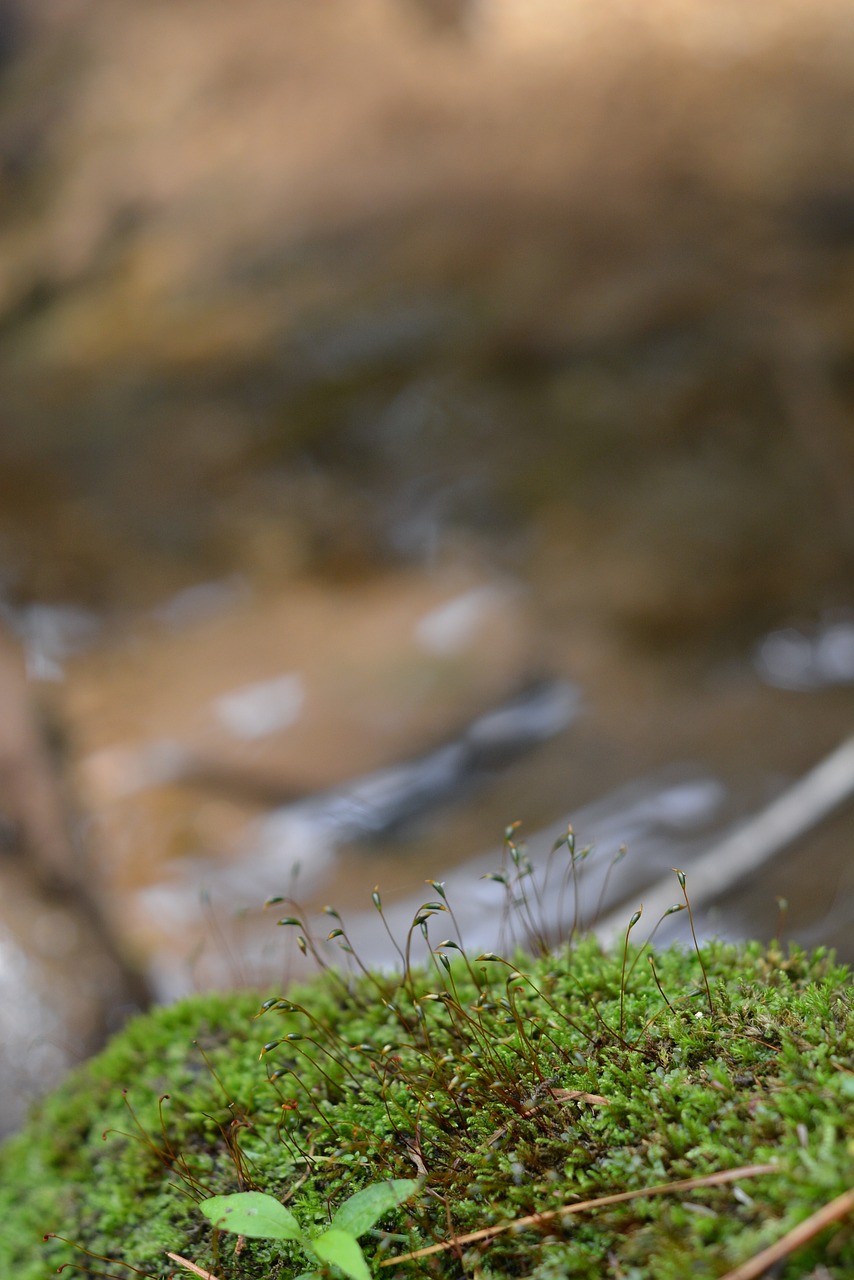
466,1074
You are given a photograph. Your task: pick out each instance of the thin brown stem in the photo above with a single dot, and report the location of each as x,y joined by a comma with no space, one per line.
534,1219
191,1266
804,1231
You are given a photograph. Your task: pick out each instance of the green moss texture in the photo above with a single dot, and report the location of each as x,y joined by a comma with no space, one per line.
464,1074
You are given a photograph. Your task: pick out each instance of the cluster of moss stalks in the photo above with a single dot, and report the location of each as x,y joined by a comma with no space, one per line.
512,1087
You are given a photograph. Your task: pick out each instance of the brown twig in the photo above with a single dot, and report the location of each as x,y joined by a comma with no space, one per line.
534,1219
793,1239
191,1266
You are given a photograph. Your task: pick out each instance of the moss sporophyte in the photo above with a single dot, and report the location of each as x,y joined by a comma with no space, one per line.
578,1114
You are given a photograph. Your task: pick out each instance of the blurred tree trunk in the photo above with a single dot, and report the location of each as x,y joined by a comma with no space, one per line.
30,794
38,812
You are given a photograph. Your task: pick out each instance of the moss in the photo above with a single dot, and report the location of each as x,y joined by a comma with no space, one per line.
459,1071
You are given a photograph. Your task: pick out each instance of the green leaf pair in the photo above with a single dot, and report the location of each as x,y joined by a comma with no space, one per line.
252,1213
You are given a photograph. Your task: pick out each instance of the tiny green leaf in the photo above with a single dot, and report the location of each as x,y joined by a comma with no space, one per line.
343,1249
358,1214
251,1213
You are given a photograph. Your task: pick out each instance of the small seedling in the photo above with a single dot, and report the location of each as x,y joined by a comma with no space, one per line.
251,1213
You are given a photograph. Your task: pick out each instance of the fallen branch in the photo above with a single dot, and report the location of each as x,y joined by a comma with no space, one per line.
806,803
793,1239
535,1219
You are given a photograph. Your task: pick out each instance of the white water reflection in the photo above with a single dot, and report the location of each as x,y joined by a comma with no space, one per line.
201,601
262,708
50,634
792,659
125,771
453,625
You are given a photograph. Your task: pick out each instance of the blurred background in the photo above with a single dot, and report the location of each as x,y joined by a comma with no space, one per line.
416,416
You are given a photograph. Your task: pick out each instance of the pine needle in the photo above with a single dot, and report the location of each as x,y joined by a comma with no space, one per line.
191,1266
534,1219
793,1239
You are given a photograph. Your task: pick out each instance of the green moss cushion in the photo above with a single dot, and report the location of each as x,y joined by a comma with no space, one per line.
470,1076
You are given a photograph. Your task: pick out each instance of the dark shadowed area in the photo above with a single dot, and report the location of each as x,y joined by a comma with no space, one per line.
416,416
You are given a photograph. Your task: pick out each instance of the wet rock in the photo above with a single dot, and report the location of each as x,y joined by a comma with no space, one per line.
62,990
